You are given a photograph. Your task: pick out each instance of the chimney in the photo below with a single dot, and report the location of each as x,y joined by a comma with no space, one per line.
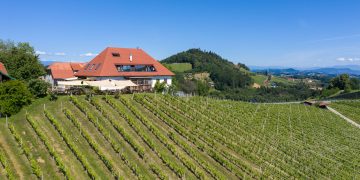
130,57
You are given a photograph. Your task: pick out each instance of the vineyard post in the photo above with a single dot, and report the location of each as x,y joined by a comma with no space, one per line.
6,121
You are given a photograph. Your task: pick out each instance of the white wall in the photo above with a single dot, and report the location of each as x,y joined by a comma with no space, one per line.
161,79
49,79
110,77
153,79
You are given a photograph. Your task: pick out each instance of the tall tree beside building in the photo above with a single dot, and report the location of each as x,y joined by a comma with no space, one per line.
20,60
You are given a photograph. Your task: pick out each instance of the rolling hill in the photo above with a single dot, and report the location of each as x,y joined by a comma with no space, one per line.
223,73
152,136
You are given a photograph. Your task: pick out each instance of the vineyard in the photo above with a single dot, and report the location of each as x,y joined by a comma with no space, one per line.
350,109
149,136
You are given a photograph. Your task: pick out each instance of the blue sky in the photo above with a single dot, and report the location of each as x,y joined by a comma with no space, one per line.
295,33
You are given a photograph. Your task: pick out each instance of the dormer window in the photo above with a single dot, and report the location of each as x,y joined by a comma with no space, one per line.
135,68
91,67
97,66
115,54
87,66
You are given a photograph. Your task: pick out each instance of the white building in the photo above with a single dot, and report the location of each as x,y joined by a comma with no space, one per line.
126,64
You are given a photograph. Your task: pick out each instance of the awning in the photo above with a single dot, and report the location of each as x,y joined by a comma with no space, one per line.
102,85
73,83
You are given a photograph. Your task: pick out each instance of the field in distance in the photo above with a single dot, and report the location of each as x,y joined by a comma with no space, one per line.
148,136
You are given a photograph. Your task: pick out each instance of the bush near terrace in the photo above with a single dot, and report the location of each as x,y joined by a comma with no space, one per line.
23,64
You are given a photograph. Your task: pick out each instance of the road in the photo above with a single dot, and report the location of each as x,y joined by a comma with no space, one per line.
344,117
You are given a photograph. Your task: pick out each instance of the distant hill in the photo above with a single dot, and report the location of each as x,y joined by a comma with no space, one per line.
224,73
335,71
328,70
277,71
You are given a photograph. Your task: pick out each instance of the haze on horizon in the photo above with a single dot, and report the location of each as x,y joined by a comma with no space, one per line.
262,33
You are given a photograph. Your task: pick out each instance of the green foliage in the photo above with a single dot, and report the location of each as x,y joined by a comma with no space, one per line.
72,146
188,137
158,172
342,82
35,167
224,73
355,83
5,163
329,92
350,109
38,87
20,60
160,87
137,148
202,88
48,146
13,96
281,93
53,96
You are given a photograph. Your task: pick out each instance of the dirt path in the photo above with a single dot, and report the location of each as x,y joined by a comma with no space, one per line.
11,157
344,117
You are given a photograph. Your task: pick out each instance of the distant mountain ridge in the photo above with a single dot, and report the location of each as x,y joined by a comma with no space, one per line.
334,70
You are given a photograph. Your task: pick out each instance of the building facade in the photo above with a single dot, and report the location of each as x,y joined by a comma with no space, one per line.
126,64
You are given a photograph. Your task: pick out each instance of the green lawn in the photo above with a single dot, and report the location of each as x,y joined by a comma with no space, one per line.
179,67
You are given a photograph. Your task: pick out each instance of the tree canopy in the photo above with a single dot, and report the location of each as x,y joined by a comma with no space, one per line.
13,96
20,60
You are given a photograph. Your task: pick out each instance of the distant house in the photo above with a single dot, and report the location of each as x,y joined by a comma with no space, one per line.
126,64
4,76
62,71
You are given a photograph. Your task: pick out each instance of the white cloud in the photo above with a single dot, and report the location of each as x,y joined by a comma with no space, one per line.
60,54
344,59
40,52
88,54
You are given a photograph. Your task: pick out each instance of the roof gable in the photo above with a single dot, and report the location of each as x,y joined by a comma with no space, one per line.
64,70
105,63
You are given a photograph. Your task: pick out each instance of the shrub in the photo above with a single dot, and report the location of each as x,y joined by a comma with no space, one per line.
160,87
53,96
38,87
13,96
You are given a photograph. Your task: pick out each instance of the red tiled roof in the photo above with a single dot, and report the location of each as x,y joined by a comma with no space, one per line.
3,69
64,70
104,63
77,66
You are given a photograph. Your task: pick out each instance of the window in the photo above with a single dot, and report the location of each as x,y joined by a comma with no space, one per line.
87,66
115,54
135,68
97,66
166,80
91,67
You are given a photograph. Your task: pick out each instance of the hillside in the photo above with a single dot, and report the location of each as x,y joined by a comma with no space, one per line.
224,73
148,136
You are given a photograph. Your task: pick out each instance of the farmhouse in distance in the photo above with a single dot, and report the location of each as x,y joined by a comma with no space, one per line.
112,69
